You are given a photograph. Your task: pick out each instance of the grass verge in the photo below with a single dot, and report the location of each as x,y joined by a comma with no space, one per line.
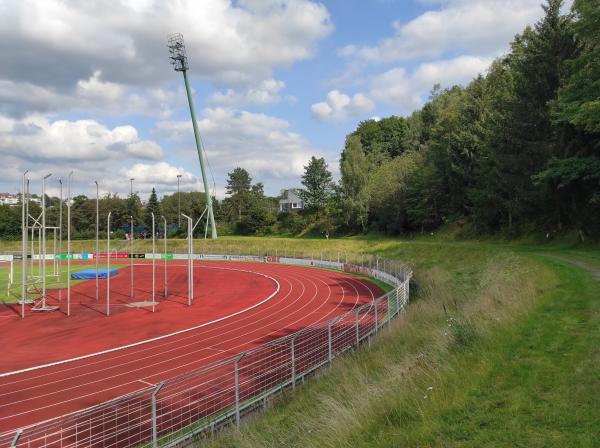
499,348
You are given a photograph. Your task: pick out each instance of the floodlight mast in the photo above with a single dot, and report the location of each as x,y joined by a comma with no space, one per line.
178,58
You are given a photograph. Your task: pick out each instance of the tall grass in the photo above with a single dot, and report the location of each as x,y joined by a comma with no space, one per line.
463,297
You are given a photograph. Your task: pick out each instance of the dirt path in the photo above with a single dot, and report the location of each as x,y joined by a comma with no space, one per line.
580,264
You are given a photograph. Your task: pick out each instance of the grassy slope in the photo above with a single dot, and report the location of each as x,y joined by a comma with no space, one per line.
499,348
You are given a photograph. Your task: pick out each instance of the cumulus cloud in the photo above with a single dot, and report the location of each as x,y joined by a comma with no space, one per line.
266,92
338,106
95,95
260,143
478,27
40,140
91,149
406,90
67,43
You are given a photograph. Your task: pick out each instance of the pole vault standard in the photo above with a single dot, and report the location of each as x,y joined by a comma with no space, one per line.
153,261
69,204
190,251
179,60
24,220
43,306
97,227
108,265
165,293
44,239
60,234
131,257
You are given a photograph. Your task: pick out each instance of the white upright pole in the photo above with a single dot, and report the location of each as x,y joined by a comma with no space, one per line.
108,265
131,293
131,257
190,269
97,228
153,259
24,221
44,240
60,211
69,244
165,261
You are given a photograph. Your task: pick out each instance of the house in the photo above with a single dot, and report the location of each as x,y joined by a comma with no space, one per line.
9,199
290,201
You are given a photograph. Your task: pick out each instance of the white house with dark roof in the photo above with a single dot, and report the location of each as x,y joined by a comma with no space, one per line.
290,201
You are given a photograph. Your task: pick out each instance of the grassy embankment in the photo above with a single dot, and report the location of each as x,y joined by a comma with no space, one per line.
499,348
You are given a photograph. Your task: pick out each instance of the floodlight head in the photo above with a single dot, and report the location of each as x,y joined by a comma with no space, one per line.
177,54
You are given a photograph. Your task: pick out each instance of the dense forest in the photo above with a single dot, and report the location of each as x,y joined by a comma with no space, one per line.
515,151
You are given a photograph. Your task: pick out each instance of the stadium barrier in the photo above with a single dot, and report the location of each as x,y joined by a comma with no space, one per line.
201,400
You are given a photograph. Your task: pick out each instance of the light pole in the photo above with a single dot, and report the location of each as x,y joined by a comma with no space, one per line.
180,64
97,228
178,203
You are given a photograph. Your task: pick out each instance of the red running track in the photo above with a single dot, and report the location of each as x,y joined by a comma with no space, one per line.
237,306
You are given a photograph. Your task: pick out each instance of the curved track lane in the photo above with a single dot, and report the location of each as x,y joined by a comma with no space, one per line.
306,296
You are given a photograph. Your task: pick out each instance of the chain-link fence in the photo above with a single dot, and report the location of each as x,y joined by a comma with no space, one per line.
221,393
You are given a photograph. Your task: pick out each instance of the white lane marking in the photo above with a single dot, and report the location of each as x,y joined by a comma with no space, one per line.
158,338
366,285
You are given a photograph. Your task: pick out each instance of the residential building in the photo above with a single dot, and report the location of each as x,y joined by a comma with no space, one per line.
290,201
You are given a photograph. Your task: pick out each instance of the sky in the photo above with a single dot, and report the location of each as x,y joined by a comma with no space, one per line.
87,85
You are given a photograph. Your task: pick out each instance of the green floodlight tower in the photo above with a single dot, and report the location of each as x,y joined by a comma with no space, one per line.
180,64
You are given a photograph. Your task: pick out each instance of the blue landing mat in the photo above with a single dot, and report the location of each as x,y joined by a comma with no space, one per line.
91,273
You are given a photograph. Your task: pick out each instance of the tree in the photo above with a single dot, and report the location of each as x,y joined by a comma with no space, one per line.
579,97
318,186
383,139
239,184
152,207
354,169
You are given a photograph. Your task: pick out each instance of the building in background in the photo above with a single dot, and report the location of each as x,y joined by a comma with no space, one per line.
290,201
9,199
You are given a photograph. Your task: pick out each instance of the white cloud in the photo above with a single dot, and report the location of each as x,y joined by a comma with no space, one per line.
39,140
91,149
95,50
479,27
266,92
161,175
90,95
338,106
406,91
262,144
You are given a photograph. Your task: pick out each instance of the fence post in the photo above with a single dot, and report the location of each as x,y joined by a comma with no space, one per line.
397,299
237,387
16,438
329,344
157,389
293,342
356,312
376,316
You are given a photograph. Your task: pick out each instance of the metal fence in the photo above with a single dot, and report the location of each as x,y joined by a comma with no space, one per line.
203,399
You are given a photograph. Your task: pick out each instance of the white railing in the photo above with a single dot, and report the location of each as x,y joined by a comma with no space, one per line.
221,393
